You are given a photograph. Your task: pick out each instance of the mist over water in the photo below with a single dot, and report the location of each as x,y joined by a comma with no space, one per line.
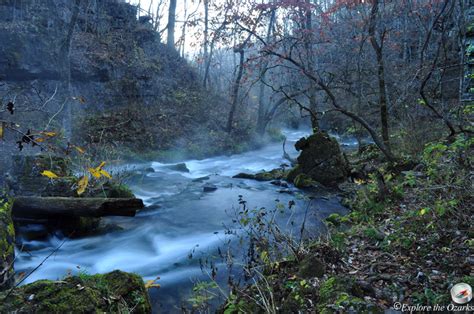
181,219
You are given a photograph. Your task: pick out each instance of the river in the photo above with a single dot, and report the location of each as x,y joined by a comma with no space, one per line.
180,219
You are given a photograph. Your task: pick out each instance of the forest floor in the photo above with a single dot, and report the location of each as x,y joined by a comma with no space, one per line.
407,240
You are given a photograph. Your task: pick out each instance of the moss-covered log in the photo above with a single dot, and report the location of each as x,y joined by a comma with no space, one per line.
52,207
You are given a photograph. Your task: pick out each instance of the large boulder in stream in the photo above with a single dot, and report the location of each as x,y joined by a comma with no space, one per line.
320,159
115,292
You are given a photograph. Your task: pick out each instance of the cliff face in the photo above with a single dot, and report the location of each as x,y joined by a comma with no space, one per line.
104,57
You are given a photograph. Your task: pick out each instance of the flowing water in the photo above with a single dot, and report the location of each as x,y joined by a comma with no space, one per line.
180,219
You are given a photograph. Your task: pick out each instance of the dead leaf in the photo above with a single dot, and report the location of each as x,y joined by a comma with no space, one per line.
80,149
105,173
49,174
95,172
82,185
151,284
50,134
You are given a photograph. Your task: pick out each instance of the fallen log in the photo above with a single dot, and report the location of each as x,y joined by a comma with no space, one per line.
52,207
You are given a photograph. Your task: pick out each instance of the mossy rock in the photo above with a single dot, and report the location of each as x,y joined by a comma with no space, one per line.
293,173
373,234
275,174
335,295
116,190
181,167
7,242
116,292
26,178
303,181
311,267
321,159
336,219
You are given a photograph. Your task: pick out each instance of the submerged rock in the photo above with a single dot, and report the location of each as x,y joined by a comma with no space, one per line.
149,170
209,187
181,167
7,243
201,179
279,183
115,292
275,174
321,160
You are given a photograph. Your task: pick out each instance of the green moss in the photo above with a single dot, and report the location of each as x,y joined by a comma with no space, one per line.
293,173
469,280
116,190
304,181
335,295
116,292
7,241
373,234
336,219
275,174
311,266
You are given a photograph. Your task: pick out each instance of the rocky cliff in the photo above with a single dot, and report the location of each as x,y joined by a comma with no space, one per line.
107,73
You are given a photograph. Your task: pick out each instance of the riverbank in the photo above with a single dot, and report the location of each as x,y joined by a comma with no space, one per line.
407,239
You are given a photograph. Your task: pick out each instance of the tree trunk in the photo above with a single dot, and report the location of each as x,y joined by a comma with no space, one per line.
378,48
235,90
206,41
383,101
310,57
262,115
53,207
171,23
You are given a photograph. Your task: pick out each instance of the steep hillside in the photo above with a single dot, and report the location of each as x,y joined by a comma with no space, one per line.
107,74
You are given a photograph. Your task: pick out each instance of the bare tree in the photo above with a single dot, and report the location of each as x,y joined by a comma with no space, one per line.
171,24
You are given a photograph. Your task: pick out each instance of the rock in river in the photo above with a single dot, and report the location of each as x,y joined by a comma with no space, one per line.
181,167
209,187
320,159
